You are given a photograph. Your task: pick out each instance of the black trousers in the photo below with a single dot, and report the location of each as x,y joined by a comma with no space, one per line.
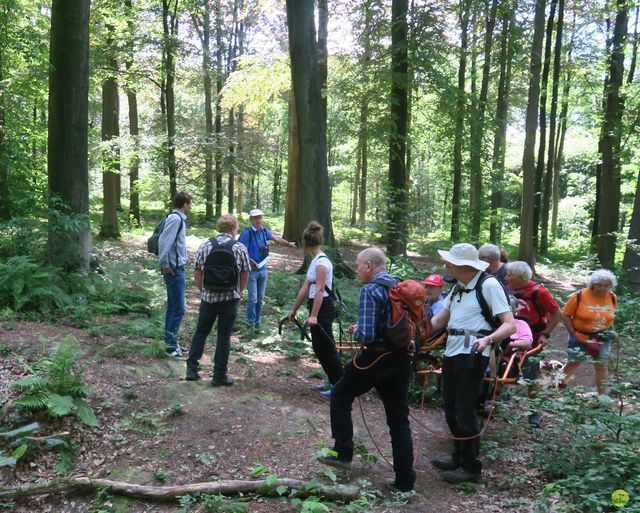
225,312
322,341
461,379
390,376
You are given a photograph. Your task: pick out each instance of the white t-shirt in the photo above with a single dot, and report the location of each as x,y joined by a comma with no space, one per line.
322,260
466,314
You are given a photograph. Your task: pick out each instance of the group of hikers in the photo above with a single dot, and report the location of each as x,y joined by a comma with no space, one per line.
492,302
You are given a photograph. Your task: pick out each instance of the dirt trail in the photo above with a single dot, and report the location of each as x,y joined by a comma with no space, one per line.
158,428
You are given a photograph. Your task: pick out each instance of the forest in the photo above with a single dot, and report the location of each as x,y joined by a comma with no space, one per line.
410,125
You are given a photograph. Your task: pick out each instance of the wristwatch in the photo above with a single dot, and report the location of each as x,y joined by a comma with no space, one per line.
490,339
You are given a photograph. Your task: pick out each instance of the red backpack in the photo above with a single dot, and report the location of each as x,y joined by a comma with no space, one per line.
409,318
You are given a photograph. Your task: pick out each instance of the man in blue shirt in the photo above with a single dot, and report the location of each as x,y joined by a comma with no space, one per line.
172,255
256,238
376,365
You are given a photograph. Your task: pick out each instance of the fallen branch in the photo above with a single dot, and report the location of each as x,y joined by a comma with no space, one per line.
165,493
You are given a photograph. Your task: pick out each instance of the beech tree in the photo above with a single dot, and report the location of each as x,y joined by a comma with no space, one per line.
312,201
527,232
69,235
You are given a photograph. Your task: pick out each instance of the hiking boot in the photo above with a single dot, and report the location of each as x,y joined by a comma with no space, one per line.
460,475
192,375
405,490
444,463
332,461
323,387
222,382
326,394
534,420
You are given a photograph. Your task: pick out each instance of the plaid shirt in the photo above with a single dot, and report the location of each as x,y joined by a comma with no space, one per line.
371,306
242,260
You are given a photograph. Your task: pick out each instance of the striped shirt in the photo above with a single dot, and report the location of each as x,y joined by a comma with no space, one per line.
242,261
371,307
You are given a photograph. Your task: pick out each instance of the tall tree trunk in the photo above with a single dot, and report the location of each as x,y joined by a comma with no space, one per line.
218,121
68,133
314,200
5,198
477,129
134,132
323,52
396,237
548,177
203,27
465,6
543,123
356,187
277,177
527,250
293,225
612,132
363,133
231,184
564,111
631,261
502,112
111,154
596,208
170,29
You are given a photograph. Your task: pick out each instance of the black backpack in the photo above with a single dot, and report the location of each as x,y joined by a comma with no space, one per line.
153,243
220,270
484,306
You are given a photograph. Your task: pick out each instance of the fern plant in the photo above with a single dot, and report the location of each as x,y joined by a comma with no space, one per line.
27,285
56,385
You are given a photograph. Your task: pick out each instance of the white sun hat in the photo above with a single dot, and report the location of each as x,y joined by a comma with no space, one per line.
256,212
464,254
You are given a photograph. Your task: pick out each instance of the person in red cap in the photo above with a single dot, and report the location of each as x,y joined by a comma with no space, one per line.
434,284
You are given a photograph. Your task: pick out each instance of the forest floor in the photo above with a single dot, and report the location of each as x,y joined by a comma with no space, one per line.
156,428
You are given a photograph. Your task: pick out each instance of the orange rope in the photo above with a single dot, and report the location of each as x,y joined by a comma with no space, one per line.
464,438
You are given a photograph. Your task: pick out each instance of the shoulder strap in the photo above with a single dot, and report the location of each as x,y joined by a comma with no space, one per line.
484,306
177,233
578,298
482,301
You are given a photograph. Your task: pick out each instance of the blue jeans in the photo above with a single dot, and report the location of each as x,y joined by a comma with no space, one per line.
255,295
176,284
225,312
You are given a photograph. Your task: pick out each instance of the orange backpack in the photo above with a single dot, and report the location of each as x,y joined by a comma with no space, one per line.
409,319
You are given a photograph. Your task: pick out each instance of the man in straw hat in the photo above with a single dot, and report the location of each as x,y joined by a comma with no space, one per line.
469,341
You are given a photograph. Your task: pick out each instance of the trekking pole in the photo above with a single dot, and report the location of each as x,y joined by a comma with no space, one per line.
301,327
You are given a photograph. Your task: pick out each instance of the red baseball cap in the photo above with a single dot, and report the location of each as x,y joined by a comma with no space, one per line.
434,279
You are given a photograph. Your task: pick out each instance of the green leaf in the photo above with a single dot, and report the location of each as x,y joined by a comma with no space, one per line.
59,405
271,480
19,452
85,413
258,470
330,475
281,489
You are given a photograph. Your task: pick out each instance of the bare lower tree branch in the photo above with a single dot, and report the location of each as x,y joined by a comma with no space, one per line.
166,493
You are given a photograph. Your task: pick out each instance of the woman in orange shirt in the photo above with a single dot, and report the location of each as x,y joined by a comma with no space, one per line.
588,317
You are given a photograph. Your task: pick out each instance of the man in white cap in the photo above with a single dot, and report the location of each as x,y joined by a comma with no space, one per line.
464,362
256,238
